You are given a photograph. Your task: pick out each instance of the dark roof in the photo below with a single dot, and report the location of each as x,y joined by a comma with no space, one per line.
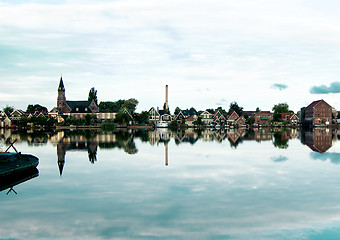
81,105
61,85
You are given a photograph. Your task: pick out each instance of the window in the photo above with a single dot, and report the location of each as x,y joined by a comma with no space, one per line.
77,109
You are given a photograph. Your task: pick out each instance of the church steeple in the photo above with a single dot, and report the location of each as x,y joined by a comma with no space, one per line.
61,84
61,100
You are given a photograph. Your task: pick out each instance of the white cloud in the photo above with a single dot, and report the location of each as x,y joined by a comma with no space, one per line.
235,48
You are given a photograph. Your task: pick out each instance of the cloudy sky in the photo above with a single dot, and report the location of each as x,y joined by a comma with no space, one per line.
210,53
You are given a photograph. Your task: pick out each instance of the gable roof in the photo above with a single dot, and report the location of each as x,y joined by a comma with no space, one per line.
83,106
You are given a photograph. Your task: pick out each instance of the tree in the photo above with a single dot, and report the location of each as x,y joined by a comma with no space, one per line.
177,110
144,116
8,110
36,107
210,110
93,95
221,110
278,109
258,109
130,104
122,118
235,107
111,106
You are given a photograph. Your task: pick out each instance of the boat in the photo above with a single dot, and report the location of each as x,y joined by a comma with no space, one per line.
16,162
162,124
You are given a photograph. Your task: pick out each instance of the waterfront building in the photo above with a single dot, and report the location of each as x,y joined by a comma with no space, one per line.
318,113
76,109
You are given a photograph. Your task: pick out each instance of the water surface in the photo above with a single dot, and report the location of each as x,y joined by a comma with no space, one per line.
233,184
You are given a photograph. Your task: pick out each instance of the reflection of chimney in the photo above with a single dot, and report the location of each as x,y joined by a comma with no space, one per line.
166,154
166,97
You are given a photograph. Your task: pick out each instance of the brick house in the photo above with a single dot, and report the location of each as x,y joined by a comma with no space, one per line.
263,118
318,113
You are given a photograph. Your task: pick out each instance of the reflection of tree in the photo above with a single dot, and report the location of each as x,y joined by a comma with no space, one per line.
279,142
236,143
92,152
130,147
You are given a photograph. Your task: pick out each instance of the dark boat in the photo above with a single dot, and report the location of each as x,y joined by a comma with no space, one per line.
11,163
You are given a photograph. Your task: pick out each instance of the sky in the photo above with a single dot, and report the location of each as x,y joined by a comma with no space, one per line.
210,53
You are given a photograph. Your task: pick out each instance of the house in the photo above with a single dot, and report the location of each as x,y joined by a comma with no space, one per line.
232,118
190,121
5,122
263,118
180,116
206,117
291,118
76,109
318,113
16,115
219,118
154,115
240,122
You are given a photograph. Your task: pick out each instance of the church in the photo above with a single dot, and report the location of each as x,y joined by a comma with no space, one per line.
76,109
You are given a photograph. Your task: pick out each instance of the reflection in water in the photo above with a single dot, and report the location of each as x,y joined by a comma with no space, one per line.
9,181
246,193
319,140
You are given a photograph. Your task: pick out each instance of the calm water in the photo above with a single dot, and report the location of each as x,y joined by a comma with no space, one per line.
187,185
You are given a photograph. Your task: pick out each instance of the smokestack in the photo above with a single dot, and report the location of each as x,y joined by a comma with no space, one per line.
166,97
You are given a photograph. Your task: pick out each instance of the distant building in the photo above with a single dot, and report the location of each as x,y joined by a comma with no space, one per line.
290,118
5,122
318,113
76,109
263,118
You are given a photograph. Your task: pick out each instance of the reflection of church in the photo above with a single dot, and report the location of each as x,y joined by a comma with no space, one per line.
76,143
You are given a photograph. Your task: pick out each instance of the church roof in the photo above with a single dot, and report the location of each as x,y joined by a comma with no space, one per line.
79,106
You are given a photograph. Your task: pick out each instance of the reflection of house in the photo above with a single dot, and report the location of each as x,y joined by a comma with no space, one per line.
318,113
264,134
235,134
319,140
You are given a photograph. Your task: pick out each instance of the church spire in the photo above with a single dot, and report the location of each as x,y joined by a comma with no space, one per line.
61,84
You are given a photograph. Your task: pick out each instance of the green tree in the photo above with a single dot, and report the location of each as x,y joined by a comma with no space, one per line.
36,107
235,107
177,110
122,118
278,109
258,109
250,120
130,104
8,110
93,95
144,116
210,110
109,106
